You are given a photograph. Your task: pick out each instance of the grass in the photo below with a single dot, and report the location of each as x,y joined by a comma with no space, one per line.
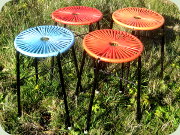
113,112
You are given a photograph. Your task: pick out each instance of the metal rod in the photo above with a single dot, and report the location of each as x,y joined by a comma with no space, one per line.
127,75
121,85
139,91
111,24
36,69
18,83
90,28
133,32
67,121
55,23
162,51
80,73
65,25
92,96
98,25
52,68
76,64
94,64
75,61
128,70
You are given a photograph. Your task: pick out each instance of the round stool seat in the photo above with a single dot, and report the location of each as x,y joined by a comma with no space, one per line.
138,18
112,46
44,41
77,15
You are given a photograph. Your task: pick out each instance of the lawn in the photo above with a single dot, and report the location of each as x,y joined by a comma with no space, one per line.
114,113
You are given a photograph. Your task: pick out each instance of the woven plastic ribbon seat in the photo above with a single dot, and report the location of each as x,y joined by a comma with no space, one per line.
77,15
44,41
112,46
138,18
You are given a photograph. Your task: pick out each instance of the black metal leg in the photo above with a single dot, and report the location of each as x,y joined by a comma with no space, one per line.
81,68
94,64
127,75
92,96
162,51
121,79
139,91
133,32
67,121
128,69
36,69
80,73
76,64
111,24
90,28
75,61
55,23
65,25
18,83
98,25
52,68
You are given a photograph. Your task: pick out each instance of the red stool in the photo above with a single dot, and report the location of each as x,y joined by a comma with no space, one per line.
112,46
140,19
77,15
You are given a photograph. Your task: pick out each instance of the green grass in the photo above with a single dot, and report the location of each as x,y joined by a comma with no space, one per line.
113,112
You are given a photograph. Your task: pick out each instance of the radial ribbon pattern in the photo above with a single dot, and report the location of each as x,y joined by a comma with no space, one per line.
112,46
44,41
77,15
138,18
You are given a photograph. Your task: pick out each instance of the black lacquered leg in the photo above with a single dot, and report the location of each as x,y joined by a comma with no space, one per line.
94,64
80,73
111,24
162,51
127,75
55,23
52,68
90,28
65,25
18,83
92,96
128,70
139,91
67,121
75,61
121,79
36,69
98,25
133,32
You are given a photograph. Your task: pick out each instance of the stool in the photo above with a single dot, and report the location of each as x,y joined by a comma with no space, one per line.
43,41
112,46
77,15
140,19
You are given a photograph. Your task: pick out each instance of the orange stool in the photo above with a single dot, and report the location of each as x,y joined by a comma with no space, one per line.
112,46
77,15
140,19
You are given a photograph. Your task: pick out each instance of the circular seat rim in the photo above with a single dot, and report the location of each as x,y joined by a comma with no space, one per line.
76,23
46,54
134,27
108,59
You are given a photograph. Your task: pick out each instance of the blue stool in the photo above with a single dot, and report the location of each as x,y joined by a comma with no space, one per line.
43,41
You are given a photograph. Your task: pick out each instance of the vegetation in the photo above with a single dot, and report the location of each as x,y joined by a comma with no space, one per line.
113,112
